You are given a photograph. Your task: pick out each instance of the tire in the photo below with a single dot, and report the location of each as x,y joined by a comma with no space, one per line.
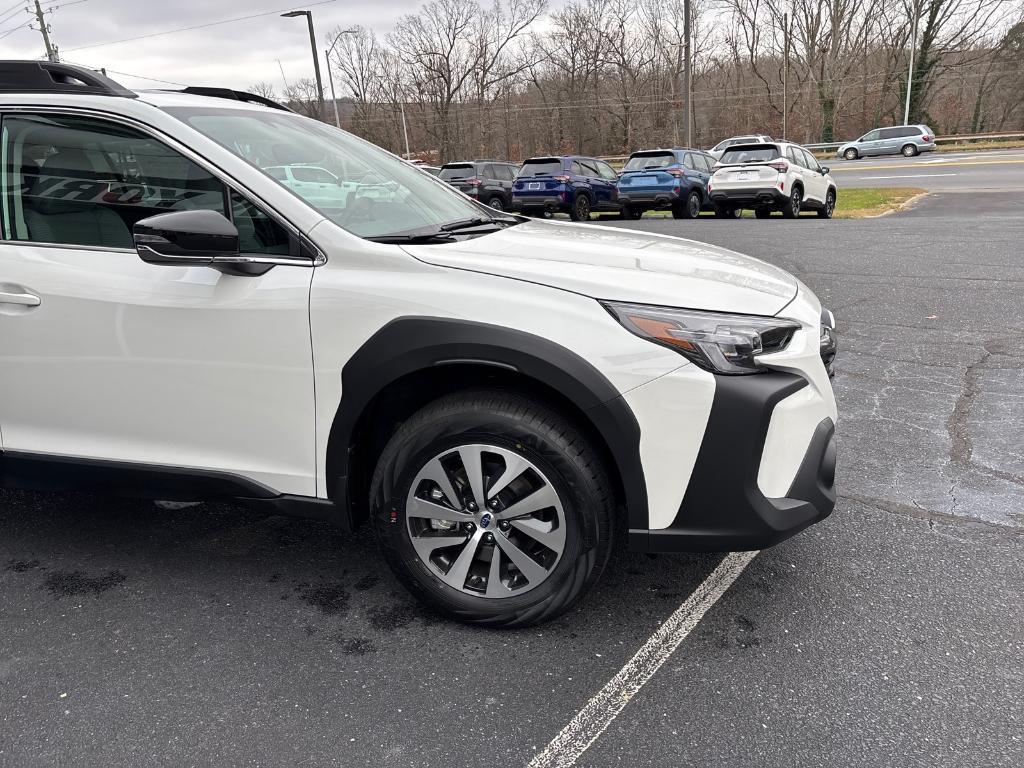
791,208
496,203
909,150
629,213
762,213
688,210
502,427
851,154
727,212
580,210
826,211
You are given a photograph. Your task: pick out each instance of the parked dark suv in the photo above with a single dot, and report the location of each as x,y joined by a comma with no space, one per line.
666,179
489,181
570,184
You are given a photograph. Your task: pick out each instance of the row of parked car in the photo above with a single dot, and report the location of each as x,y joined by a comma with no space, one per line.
747,172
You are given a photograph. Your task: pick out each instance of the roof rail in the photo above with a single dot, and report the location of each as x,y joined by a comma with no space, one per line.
227,93
55,77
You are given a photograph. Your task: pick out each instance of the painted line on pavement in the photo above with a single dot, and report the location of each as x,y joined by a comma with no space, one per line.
908,176
590,722
887,166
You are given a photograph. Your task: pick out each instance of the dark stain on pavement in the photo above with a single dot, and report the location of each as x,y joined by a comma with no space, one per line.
74,583
21,566
330,599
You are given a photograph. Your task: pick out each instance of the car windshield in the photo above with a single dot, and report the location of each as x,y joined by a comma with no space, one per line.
363,189
760,154
545,166
654,160
460,171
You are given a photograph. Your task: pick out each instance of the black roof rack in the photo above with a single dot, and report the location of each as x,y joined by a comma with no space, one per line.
227,93
54,77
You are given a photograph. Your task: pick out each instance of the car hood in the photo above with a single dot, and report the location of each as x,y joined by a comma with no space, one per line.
621,265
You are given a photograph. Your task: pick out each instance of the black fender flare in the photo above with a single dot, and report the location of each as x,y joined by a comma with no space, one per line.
410,344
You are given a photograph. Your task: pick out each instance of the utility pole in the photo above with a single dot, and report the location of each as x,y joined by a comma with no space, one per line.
785,71
910,69
330,75
316,55
687,74
51,52
405,131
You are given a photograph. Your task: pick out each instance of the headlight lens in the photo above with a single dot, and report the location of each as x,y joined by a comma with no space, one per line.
717,342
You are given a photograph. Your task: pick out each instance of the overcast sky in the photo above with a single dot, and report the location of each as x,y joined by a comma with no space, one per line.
235,54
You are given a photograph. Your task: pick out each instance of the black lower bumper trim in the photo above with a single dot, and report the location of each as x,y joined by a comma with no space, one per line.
723,509
750,197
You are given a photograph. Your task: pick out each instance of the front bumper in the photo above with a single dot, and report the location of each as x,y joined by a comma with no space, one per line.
724,508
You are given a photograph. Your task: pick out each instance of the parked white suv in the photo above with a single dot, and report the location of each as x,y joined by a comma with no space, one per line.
771,177
499,397
721,146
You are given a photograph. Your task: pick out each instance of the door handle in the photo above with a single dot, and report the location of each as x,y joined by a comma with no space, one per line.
22,298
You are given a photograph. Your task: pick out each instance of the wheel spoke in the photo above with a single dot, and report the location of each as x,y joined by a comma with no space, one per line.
472,461
494,586
417,507
545,532
456,575
526,564
515,465
425,545
540,499
434,471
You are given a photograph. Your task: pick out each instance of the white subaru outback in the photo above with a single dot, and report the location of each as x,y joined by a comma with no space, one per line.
499,398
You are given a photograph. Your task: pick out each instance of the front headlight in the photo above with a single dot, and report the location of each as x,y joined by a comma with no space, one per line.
717,342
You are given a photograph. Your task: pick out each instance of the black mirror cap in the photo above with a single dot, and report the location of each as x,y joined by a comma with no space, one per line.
195,237
824,170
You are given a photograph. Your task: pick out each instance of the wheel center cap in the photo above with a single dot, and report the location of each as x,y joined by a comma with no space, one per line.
485,520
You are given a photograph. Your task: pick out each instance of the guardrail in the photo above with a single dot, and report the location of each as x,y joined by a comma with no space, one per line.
824,147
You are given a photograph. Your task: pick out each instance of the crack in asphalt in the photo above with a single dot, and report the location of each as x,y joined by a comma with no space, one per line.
932,516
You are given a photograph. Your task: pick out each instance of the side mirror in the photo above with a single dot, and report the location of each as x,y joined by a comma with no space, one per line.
824,170
185,238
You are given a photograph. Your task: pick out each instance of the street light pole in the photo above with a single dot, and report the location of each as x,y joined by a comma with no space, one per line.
330,75
316,56
910,69
687,73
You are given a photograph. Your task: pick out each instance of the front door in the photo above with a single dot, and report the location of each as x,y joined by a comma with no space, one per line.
104,357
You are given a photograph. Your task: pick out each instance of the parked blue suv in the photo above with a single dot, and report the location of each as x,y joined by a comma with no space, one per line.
571,184
666,179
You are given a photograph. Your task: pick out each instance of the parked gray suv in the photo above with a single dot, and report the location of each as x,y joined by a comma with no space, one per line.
907,140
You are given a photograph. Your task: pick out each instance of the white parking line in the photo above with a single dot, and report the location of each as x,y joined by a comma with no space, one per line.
908,176
598,713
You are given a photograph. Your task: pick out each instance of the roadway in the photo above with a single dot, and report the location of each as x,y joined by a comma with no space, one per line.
888,635
979,171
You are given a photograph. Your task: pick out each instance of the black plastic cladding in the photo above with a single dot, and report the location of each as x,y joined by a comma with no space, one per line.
410,344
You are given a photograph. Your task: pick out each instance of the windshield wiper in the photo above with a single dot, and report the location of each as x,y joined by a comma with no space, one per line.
439,236
478,221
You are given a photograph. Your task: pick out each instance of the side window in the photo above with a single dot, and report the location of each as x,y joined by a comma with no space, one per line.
809,161
870,136
689,162
606,171
491,172
795,156
590,169
74,180
704,162
577,169
888,133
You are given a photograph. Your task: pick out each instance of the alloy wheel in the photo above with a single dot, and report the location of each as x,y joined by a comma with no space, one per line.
693,204
497,204
486,521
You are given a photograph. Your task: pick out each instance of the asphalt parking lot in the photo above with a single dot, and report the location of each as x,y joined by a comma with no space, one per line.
890,634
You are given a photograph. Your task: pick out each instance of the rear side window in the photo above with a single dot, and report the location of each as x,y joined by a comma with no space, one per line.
606,171
502,172
688,162
546,166
313,175
457,171
891,133
704,162
809,161
748,154
642,162
589,169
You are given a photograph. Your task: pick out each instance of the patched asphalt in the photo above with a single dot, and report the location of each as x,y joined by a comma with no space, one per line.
889,634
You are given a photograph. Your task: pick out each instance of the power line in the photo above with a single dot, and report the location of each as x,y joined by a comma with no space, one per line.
196,26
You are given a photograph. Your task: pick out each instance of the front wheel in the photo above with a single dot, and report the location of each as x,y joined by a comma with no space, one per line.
496,203
791,208
580,210
909,150
492,509
850,154
826,211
